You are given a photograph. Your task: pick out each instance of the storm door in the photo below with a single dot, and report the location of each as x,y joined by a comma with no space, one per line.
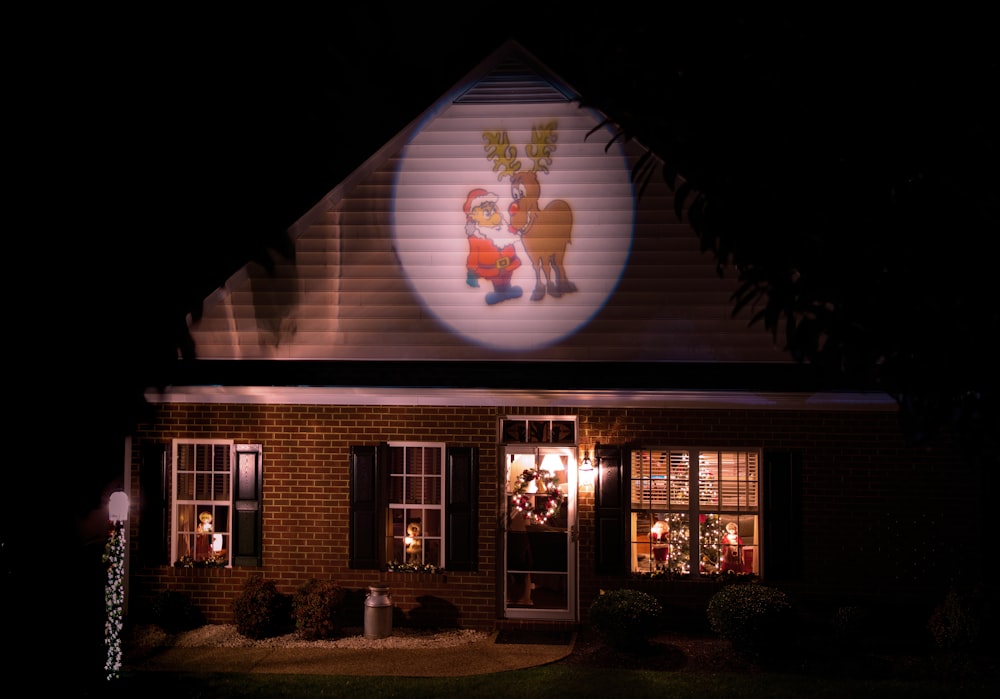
539,532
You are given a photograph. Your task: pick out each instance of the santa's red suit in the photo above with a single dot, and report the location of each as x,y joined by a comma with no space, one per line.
732,556
495,264
490,262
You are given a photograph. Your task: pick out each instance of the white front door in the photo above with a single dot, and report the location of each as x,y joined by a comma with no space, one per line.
539,533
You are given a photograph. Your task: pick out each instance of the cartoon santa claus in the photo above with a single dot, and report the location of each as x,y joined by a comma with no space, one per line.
491,247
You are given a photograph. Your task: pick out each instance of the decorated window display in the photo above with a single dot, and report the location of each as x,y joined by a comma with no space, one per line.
415,531
201,527
694,522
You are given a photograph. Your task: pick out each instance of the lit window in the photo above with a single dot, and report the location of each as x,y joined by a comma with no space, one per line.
427,487
707,514
415,530
201,522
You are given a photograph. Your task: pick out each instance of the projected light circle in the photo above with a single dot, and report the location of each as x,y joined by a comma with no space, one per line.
446,168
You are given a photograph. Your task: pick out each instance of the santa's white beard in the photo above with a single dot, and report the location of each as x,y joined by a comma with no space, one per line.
500,236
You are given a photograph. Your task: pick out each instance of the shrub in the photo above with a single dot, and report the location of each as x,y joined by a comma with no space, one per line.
174,612
850,623
627,619
758,621
316,607
959,622
261,611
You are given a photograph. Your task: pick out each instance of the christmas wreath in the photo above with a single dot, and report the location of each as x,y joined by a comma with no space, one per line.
548,486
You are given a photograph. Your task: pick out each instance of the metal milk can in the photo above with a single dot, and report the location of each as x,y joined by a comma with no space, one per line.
378,612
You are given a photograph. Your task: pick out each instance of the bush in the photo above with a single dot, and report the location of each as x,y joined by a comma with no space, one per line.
959,622
261,611
627,619
758,621
316,607
850,623
174,612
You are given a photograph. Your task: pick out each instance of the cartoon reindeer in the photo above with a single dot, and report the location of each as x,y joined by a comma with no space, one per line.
544,233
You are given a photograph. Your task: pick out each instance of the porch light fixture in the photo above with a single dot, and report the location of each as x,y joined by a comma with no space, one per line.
585,470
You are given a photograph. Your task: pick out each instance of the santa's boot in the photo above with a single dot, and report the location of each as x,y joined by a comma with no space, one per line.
502,292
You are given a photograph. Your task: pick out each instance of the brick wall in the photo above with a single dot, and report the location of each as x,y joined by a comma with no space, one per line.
874,509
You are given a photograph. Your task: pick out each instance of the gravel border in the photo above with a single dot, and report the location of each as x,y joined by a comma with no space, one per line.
226,636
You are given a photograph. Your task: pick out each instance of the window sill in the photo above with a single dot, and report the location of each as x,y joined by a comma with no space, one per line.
404,578
711,579
201,571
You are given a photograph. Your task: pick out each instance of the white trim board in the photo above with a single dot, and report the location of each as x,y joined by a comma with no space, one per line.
321,395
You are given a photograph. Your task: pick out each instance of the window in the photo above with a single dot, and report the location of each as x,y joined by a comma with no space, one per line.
416,504
202,497
397,487
538,429
694,511
215,520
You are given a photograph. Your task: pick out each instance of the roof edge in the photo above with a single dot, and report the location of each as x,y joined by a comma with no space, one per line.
335,395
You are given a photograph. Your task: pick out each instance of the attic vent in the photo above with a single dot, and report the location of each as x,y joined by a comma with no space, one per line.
512,82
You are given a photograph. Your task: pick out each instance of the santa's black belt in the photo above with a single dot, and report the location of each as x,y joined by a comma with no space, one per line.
501,263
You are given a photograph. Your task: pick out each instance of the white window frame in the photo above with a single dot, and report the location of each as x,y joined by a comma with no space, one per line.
696,503
220,481
432,543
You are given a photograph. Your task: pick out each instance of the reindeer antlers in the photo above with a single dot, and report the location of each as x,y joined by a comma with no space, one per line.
543,143
499,150
504,155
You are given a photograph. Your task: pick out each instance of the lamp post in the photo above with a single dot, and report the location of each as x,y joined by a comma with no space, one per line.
118,507
114,590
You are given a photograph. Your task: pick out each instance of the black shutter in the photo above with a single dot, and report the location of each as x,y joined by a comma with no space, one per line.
610,512
154,477
781,554
461,511
248,517
368,504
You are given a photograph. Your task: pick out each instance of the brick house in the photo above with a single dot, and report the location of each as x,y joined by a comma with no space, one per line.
496,378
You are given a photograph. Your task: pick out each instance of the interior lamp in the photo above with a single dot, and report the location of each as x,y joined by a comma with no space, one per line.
553,463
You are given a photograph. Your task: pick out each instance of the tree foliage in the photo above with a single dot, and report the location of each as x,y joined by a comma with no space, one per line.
844,173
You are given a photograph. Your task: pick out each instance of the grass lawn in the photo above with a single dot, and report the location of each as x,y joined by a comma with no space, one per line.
541,682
